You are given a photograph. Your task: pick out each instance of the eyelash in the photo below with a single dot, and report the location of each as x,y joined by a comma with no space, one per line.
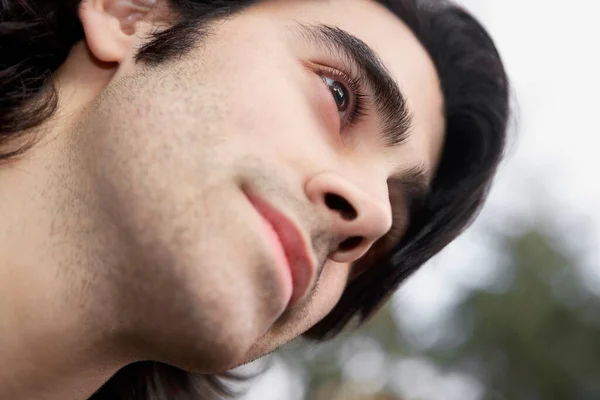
355,88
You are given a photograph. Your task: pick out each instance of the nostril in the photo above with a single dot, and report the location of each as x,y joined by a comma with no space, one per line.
350,243
338,203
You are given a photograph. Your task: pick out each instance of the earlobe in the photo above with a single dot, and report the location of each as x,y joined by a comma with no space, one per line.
110,26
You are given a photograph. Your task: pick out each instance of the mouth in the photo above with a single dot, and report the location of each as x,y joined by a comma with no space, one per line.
297,260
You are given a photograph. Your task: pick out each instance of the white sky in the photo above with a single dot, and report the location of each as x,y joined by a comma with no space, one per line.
552,54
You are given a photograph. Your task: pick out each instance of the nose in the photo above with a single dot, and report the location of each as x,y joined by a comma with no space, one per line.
357,216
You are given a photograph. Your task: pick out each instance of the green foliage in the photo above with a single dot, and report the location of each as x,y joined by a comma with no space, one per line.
534,341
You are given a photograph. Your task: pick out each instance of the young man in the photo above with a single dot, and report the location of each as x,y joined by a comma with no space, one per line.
187,185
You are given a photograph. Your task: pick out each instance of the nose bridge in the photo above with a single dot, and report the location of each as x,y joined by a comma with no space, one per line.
359,212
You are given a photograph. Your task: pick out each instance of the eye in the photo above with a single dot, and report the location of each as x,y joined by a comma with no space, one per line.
340,93
348,93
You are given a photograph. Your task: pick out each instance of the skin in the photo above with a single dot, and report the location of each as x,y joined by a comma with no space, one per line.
127,234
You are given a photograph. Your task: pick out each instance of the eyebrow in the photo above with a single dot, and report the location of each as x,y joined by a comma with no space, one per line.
415,184
389,101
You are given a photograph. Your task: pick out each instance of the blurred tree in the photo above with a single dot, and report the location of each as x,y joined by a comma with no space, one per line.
539,339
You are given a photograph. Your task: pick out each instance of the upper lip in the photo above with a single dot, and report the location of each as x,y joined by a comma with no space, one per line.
297,252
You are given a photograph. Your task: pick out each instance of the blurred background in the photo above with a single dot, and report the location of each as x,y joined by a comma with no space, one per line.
511,310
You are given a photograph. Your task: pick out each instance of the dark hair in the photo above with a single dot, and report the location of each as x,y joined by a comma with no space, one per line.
36,36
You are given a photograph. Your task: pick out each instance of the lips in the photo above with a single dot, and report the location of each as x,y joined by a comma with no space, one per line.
294,246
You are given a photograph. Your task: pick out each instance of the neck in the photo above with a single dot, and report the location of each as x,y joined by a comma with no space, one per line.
54,343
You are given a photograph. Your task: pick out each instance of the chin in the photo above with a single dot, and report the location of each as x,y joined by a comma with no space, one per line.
217,342
205,353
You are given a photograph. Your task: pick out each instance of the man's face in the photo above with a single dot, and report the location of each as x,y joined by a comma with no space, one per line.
189,158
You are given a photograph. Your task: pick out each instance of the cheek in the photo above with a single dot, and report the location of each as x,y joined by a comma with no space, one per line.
264,101
274,110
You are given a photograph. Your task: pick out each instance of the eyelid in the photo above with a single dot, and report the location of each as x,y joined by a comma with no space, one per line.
355,88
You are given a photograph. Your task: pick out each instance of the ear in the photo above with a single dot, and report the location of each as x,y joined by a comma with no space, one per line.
110,26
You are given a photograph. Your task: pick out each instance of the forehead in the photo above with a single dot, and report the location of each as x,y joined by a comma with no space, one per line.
405,58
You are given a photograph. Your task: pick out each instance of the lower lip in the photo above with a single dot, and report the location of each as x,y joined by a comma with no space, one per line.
280,258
